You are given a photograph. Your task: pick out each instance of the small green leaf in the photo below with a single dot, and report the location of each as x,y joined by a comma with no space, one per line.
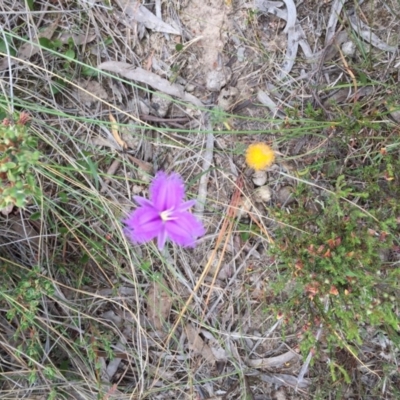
245,236
145,266
46,43
3,48
179,47
11,177
30,4
10,165
70,54
109,40
84,259
64,366
92,167
57,86
90,71
20,201
63,197
3,112
57,43
35,216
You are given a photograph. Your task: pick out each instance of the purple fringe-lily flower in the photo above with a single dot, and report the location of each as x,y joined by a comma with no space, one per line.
165,215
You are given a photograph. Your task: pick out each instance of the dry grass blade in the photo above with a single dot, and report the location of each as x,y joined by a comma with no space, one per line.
110,172
350,72
263,98
207,160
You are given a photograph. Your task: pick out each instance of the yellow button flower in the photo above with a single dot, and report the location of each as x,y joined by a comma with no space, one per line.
259,156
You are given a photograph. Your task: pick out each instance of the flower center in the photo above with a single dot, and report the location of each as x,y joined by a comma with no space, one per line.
167,215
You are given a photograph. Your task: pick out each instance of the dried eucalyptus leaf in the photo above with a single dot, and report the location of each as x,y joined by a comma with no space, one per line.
141,75
197,345
141,14
365,32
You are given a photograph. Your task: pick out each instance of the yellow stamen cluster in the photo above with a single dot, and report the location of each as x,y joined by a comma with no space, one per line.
259,156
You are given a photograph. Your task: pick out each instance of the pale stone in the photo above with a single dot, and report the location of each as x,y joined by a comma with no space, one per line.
263,194
260,178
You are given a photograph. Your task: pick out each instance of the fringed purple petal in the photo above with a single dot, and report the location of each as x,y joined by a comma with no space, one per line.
143,225
162,238
167,192
186,205
185,229
142,201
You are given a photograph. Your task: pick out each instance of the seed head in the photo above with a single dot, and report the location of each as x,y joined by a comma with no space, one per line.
259,156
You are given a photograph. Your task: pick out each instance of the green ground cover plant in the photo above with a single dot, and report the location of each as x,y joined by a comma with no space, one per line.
18,155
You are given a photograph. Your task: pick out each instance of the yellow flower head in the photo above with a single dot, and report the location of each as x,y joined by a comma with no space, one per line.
259,156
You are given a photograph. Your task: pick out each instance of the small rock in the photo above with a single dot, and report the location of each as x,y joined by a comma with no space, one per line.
218,78
259,178
240,54
348,48
395,114
284,195
160,104
262,195
384,255
137,105
144,108
227,98
190,87
137,189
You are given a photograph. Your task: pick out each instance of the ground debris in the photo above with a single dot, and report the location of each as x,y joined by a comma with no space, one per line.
159,304
141,14
197,344
271,362
29,49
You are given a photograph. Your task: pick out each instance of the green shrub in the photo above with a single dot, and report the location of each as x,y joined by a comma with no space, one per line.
332,269
17,154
